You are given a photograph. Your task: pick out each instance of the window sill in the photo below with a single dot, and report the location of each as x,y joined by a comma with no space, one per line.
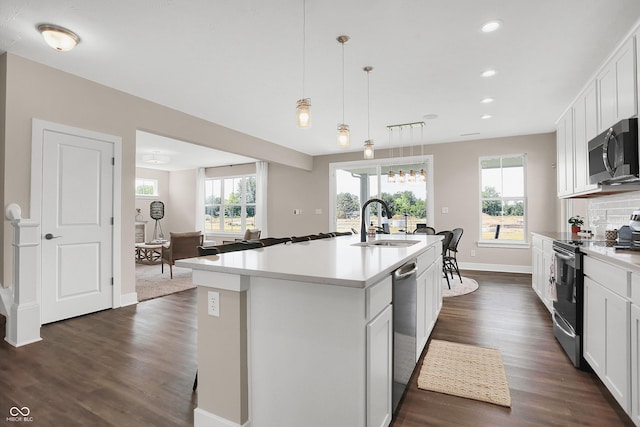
503,244
146,196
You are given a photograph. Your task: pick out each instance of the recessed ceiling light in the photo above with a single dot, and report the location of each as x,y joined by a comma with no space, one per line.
491,26
487,100
489,73
58,38
470,134
486,116
430,116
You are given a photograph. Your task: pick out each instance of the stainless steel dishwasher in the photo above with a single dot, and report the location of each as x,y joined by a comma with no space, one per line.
404,328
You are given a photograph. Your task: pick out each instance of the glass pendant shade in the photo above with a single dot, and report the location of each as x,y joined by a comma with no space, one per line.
303,113
412,176
401,177
423,176
343,135
368,149
391,176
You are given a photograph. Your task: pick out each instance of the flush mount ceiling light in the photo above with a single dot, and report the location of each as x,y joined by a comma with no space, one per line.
343,129
488,73
491,26
368,144
303,105
58,38
156,158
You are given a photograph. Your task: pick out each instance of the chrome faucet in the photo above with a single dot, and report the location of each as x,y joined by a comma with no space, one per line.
363,227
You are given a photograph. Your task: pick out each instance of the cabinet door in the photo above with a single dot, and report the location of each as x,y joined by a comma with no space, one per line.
606,339
585,121
635,364
594,343
379,369
423,313
564,146
616,87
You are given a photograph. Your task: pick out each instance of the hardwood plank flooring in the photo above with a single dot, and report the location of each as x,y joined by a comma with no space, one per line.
546,390
130,366
135,366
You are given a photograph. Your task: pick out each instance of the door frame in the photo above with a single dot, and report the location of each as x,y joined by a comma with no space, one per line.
38,127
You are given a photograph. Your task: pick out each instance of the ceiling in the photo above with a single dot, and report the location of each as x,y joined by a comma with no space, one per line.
239,63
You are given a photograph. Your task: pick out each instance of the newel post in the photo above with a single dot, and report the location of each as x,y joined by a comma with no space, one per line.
23,316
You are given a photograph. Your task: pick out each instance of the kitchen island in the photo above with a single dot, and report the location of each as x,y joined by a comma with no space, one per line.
301,334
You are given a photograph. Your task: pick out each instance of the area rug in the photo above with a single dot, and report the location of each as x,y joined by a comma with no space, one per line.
466,371
466,287
151,283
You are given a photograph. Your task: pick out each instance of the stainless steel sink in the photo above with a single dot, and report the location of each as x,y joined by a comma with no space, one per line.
388,243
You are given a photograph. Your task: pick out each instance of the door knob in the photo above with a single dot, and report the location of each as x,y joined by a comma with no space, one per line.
50,236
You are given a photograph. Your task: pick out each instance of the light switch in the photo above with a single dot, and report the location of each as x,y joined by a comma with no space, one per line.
445,210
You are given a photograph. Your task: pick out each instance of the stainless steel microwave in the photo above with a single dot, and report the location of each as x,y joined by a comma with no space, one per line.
613,155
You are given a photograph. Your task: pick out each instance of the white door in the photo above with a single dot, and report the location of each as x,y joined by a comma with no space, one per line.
76,218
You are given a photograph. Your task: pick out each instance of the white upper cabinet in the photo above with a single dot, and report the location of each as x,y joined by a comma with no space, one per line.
564,146
617,87
612,96
585,128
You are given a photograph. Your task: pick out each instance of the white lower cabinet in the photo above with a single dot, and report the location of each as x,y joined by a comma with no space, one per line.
379,369
635,364
541,260
429,296
606,335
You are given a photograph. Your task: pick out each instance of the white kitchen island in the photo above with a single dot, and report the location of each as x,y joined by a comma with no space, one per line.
301,334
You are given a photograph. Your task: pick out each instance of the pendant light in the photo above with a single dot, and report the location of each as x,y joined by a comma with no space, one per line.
423,174
411,178
303,105
343,129
391,175
368,144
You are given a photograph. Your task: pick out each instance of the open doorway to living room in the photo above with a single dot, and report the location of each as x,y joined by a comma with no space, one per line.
167,201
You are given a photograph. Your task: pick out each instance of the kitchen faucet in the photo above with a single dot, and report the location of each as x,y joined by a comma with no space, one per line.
363,227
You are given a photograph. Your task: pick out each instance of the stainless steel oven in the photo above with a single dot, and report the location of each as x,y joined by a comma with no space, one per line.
568,306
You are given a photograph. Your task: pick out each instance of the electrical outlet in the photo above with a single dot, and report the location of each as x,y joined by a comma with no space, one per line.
213,303
473,252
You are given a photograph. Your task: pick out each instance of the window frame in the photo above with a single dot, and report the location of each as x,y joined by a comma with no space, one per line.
222,206
427,159
143,182
524,243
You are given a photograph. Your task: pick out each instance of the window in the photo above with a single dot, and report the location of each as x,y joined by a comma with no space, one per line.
146,187
503,199
410,202
229,204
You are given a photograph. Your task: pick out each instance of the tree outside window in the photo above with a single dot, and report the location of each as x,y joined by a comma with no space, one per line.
146,187
230,204
503,198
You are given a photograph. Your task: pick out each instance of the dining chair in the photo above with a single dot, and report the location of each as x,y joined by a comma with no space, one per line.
452,252
448,235
424,230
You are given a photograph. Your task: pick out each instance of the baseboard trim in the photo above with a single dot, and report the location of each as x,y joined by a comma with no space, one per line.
129,299
202,418
501,268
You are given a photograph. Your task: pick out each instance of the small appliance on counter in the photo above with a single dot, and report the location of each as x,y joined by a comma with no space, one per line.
629,235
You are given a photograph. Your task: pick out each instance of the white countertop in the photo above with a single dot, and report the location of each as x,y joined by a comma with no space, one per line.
331,261
597,248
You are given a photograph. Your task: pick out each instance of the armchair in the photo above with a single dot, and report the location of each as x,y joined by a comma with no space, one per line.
181,245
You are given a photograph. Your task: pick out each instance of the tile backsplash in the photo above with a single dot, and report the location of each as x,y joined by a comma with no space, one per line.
611,211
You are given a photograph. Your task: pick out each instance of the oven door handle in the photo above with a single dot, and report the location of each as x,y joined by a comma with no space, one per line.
564,257
563,325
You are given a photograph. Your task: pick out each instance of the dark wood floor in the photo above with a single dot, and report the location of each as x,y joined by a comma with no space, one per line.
135,366
546,390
